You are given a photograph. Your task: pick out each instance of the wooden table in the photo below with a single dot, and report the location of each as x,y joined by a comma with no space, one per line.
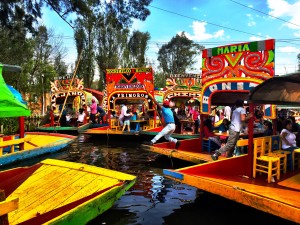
137,122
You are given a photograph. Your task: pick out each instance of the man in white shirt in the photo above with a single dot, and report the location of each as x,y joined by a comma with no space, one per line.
238,116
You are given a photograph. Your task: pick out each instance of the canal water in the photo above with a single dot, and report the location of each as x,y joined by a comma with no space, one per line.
155,199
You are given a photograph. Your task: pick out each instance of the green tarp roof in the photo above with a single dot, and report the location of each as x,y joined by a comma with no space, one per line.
10,106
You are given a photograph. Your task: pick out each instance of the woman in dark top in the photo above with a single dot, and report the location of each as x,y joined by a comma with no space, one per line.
268,128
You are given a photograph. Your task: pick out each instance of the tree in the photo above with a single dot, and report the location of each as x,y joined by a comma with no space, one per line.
178,55
111,45
137,45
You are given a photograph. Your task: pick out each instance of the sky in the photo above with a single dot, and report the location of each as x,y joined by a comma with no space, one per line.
212,23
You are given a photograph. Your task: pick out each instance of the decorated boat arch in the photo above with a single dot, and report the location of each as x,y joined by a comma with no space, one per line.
69,94
230,72
128,85
183,86
184,90
131,87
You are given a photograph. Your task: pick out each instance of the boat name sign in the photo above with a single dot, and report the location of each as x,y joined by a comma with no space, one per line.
129,86
183,94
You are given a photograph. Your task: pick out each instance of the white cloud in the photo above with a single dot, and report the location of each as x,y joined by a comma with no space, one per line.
288,49
194,8
251,21
200,33
281,8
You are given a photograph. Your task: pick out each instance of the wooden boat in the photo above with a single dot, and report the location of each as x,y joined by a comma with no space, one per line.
60,192
14,149
235,178
69,92
180,88
128,86
220,87
22,146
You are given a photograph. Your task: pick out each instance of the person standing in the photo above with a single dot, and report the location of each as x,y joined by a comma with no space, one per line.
169,122
127,117
238,117
123,112
101,114
93,108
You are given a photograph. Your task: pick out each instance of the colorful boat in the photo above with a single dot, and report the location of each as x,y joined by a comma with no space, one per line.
22,146
232,178
183,89
228,73
59,192
129,86
14,149
69,93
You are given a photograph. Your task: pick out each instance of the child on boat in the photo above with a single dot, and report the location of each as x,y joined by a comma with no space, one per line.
127,117
80,117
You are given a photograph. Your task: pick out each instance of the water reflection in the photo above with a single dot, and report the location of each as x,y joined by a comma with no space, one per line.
154,199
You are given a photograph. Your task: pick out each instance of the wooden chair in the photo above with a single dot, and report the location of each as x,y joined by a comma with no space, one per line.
268,151
263,163
114,124
276,148
296,157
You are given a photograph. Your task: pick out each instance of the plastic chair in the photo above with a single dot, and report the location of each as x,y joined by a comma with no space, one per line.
263,163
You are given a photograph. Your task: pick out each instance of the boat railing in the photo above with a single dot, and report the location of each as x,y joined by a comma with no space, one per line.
11,141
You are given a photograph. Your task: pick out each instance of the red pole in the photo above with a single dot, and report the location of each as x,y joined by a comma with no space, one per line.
201,130
51,118
21,131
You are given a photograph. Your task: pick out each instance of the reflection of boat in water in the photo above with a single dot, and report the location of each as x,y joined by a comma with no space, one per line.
182,89
60,192
241,178
24,145
130,87
67,97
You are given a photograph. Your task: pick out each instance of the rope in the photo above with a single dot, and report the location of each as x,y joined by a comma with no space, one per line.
77,65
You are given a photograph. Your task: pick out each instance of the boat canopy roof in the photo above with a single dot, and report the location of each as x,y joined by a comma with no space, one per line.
279,90
10,105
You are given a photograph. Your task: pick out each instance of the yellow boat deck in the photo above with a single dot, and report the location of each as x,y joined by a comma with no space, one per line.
280,198
58,183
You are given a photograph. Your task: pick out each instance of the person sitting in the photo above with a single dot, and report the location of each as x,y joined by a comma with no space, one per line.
288,137
208,132
68,119
224,125
80,117
268,128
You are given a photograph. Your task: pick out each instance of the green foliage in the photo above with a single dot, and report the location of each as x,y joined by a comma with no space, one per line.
178,55
10,125
137,46
159,79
